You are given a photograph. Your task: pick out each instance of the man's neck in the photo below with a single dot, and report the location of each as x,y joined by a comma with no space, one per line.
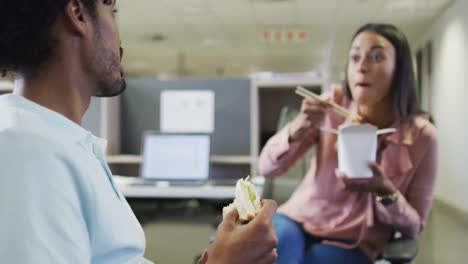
60,90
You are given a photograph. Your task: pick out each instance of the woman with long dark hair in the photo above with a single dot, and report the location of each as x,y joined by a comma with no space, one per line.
331,218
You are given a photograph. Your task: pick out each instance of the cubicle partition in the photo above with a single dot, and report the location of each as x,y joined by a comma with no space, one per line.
140,111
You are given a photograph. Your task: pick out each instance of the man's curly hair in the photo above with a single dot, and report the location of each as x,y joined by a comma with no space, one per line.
26,39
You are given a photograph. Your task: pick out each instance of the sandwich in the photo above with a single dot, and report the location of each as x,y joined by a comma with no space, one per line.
247,201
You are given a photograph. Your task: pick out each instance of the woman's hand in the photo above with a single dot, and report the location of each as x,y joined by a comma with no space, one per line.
379,184
312,113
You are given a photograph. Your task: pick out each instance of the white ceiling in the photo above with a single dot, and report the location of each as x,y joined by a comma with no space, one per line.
224,37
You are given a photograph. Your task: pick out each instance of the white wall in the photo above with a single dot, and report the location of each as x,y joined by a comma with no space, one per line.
449,85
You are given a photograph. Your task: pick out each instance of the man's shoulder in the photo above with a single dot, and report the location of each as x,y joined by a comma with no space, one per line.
28,159
29,142
30,153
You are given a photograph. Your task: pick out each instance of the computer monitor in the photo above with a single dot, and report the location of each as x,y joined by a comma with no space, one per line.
176,157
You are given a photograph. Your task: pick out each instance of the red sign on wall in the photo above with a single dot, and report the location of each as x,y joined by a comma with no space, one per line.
276,36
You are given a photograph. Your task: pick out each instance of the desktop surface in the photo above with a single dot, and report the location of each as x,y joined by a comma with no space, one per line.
164,190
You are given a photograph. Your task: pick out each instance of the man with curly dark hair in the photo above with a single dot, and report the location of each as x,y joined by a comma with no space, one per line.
58,201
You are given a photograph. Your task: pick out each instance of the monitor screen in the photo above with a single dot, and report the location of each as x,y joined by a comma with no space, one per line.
176,156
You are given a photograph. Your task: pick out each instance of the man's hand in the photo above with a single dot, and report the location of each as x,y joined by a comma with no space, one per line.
252,243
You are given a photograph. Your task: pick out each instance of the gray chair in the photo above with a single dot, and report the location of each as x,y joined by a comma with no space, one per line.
281,188
400,250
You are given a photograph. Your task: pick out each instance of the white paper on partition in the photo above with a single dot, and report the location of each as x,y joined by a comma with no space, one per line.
187,111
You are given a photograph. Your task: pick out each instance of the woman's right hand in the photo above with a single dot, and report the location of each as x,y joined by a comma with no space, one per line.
311,115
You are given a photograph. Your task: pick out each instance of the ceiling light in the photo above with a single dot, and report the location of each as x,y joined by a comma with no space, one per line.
211,42
398,5
157,37
271,1
192,10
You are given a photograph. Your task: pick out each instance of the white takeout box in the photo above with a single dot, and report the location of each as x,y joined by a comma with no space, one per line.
357,144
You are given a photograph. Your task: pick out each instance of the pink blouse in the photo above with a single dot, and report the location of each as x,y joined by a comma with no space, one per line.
326,209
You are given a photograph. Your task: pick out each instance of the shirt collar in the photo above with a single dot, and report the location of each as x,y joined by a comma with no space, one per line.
404,134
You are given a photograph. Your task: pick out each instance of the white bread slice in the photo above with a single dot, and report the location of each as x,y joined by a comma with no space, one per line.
247,201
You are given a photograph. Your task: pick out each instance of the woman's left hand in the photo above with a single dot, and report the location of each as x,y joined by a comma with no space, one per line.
379,184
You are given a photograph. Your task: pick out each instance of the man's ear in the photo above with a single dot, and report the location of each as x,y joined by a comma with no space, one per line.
77,18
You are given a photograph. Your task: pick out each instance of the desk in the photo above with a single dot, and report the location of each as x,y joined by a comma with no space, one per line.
207,191
215,159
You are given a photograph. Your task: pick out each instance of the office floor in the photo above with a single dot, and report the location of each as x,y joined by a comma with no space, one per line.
445,240
176,235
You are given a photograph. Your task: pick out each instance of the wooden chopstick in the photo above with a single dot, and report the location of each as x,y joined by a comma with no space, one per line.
340,111
338,108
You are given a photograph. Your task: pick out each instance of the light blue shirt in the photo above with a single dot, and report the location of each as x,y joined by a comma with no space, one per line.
58,202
